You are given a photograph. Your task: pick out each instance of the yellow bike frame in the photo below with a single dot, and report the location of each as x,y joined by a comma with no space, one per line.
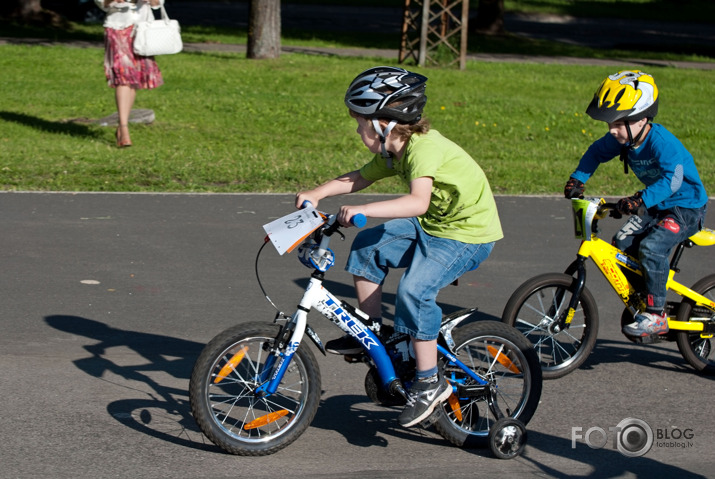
611,262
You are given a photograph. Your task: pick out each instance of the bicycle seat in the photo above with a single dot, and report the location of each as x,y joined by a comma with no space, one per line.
704,237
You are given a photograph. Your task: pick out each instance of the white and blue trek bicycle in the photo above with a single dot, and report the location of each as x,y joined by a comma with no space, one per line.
256,386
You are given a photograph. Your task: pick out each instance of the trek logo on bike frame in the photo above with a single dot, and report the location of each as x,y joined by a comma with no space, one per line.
358,329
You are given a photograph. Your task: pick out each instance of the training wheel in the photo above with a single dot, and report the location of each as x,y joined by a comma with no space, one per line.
507,438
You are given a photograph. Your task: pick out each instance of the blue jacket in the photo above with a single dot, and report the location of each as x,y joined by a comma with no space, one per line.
662,164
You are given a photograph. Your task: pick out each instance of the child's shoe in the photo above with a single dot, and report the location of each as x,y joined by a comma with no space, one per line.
423,398
646,324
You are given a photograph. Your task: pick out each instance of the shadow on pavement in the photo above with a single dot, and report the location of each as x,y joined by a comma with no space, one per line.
159,410
604,462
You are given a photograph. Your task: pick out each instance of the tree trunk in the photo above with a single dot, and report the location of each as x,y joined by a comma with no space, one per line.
490,18
28,8
20,8
30,12
264,29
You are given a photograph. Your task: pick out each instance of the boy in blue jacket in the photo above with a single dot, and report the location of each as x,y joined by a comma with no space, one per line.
672,205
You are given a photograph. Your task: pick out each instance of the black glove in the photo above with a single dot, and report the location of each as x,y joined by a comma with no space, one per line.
574,189
630,205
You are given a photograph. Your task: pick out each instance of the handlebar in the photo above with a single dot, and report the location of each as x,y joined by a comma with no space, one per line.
587,212
359,220
612,209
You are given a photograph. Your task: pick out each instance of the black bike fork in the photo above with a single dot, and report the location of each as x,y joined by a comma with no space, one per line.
578,267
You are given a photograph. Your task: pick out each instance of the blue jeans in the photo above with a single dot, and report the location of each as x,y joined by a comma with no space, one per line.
430,263
651,238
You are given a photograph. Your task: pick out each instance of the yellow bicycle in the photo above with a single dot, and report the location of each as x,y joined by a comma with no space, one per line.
559,315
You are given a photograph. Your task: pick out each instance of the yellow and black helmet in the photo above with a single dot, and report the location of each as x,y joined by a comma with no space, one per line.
625,96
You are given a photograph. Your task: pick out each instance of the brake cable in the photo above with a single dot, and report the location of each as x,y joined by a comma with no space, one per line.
258,278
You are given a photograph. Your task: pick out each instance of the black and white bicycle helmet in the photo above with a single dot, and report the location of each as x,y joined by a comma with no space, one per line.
388,92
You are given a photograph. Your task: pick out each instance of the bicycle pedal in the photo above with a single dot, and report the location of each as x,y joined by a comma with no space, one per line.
431,419
354,358
653,338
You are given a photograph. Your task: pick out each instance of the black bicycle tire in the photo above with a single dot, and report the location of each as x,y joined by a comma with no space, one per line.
685,339
591,320
485,329
201,376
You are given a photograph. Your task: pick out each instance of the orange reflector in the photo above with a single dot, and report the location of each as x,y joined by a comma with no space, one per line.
454,404
267,419
503,360
230,365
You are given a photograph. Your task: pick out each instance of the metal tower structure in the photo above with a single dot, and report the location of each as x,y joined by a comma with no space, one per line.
434,32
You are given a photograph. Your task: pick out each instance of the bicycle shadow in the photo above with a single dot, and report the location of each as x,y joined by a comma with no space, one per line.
603,462
365,424
160,410
653,356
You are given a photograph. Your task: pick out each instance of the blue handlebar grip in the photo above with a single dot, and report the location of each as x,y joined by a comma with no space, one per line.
306,204
359,220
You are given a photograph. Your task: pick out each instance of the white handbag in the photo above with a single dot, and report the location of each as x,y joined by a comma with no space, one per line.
157,37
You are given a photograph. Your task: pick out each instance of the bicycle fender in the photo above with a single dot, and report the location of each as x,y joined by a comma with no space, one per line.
704,237
451,321
315,338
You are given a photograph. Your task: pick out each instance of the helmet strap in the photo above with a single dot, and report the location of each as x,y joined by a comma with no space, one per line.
383,137
638,137
632,142
627,147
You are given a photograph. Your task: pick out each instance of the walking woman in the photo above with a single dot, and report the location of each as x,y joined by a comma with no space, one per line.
126,72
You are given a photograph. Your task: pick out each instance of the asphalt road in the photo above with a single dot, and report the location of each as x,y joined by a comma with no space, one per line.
109,298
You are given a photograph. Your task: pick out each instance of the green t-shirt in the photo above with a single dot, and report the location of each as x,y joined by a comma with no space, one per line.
462,206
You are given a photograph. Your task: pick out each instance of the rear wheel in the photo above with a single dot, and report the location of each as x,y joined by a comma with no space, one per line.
502,357
536,309
698,349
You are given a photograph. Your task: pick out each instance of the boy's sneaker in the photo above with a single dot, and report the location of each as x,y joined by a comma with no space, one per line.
423,398
646,324
346,345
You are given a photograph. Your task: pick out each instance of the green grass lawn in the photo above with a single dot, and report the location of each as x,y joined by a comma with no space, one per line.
228,124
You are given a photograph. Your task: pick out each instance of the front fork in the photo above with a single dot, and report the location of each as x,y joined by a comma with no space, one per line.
577,268
278,361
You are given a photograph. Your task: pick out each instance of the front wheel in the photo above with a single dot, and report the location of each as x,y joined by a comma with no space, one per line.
225,400
505,360
696,349
536,309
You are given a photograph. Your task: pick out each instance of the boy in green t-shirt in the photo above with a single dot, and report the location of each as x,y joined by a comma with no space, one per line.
445,226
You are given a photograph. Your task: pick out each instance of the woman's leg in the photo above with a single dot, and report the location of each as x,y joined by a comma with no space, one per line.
124,95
